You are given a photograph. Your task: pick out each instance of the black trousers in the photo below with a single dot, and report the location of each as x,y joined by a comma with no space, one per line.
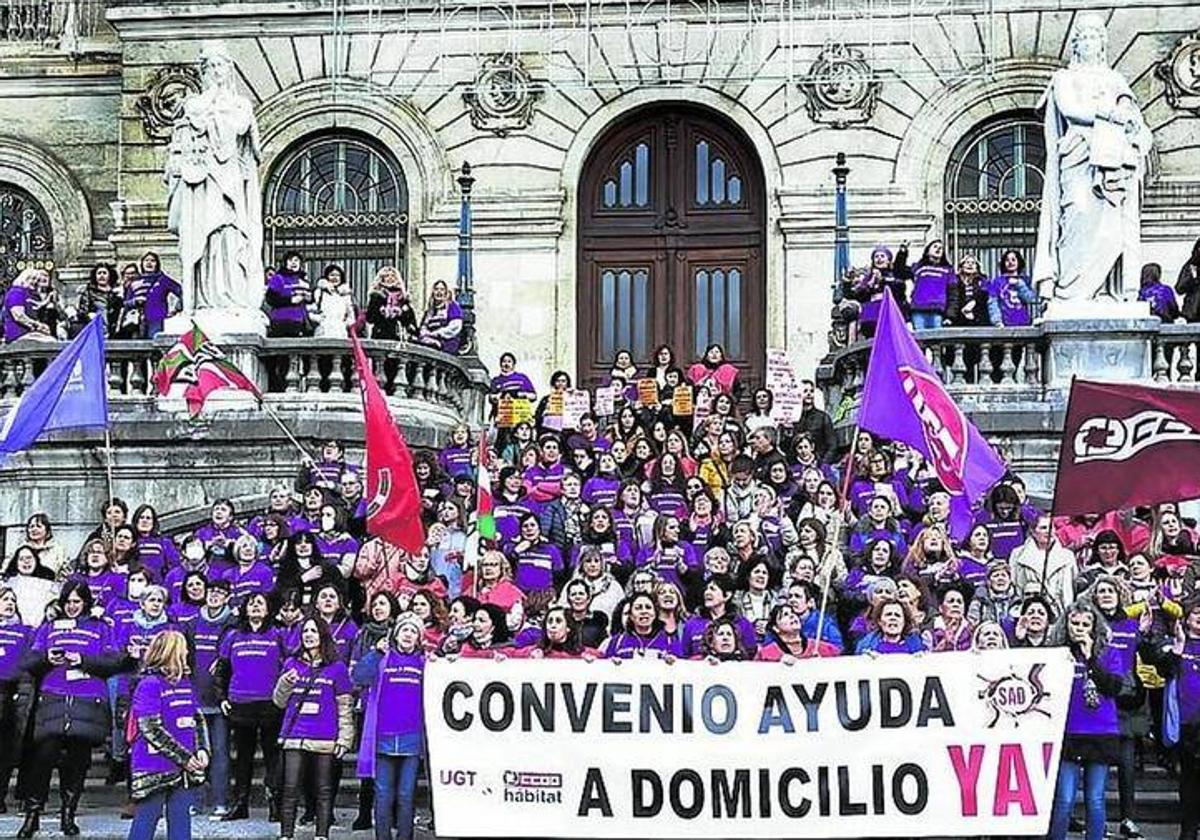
314,771
72,756
245,737
1189,791
10,735
1125,776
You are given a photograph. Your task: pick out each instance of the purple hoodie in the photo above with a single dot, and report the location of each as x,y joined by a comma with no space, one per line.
177,706
280,289
254,663
312,710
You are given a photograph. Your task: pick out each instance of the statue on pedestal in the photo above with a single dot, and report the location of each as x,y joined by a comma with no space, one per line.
214,201
1096,147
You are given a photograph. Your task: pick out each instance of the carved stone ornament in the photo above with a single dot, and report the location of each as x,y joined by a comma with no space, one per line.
503,95
162,103
840,88
1180,72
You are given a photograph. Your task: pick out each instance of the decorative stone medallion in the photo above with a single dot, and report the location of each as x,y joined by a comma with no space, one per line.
503,95
162,103
1180,72
840,88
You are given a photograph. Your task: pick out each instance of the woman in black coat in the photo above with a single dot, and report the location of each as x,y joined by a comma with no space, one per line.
71,656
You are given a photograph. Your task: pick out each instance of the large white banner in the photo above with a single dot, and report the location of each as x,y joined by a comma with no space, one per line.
957,744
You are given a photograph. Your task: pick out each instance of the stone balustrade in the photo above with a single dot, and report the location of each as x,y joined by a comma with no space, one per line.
44,22
296,374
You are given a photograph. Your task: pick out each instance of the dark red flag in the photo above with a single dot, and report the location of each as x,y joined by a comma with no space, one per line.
1127,445
394,503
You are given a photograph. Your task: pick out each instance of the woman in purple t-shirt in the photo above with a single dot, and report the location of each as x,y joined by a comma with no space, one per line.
170,752
317,697
15,636
250,659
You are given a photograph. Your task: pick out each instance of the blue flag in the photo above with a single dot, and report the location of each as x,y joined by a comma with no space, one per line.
904,400
71,393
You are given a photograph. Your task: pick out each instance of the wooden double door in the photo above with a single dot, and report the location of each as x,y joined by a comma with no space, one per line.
671,224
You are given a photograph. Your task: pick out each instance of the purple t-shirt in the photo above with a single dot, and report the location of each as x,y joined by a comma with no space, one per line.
176,705
536,566
930,284
128,633
400,709
156,553
14,638
1189,683
254,663
665,561
17,297
600,491
205,636
312,708
243,583
89,637
106,586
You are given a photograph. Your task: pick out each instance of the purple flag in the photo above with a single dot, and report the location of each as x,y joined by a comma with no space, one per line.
904,400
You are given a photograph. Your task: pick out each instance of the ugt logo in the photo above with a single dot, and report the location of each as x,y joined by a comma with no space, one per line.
943,424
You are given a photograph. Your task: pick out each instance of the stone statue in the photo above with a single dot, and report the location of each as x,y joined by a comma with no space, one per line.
1096,146
214,201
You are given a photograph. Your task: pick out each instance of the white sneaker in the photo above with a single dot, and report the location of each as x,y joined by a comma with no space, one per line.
218,813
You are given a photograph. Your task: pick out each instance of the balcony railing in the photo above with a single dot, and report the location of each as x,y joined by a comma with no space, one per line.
299,374
1003,362
61,23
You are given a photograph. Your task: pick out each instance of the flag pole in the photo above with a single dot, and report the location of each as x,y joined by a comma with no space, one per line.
108,461
845,509
279,422
262,403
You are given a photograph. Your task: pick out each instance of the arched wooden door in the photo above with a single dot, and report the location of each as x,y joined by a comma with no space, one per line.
671,230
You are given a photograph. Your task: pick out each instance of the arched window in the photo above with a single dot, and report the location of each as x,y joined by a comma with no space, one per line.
672,224
994,189
25,236
338,199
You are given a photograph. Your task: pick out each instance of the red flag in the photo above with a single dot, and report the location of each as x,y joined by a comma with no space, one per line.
1127,445
394,506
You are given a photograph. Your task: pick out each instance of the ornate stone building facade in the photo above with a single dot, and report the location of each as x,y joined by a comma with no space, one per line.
648,172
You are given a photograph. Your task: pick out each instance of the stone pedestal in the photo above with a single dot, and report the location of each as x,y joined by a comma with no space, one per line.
219,324
1110,347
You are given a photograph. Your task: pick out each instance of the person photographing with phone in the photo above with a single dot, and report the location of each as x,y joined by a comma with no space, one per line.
316,694
170,750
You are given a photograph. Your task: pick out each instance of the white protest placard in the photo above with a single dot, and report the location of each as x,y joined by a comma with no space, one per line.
949,744
784,386
575,405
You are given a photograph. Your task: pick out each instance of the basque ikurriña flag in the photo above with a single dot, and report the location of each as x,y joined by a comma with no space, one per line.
71,393
199,363
1127,445
904,400
393,500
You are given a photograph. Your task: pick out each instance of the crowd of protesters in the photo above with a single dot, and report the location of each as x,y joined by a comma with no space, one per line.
934,292
137,301
716,527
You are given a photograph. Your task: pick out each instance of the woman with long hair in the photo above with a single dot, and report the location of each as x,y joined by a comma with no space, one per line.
389,311
1187,284
718,602
722,642
441,326
561,638
1092,741
590,623
250,659
393,732
151,548
317,699
72,658
15,636
303,568
171,749
714,370
933,277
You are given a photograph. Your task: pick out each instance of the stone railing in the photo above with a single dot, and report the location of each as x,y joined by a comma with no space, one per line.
297,374
50,22
1031,366
1001,363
